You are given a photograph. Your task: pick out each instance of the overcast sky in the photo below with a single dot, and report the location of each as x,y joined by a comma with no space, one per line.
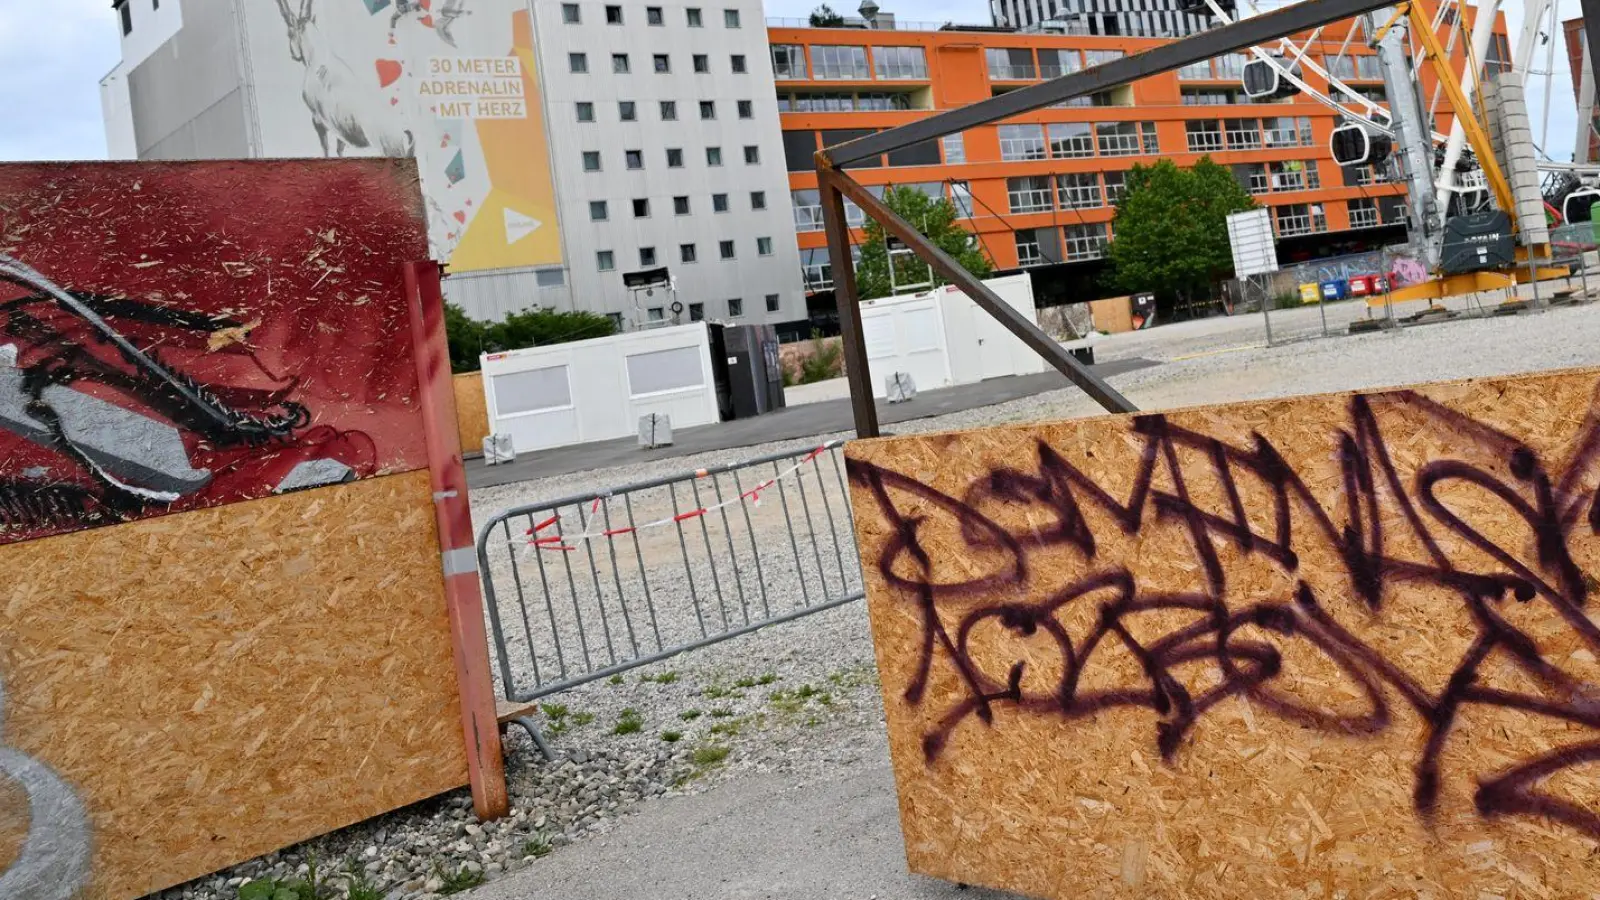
53,55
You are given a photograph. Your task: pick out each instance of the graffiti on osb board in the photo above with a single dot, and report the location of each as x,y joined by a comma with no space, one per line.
1492,524
161,350
54,859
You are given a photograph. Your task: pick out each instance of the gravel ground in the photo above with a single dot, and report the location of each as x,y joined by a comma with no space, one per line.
801,699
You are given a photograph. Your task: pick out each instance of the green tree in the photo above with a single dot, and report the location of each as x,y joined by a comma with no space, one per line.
1170,234
824,17
469,338
936,219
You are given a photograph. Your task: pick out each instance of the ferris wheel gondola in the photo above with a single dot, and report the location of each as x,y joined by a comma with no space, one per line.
1358,144
1577,206
1267,79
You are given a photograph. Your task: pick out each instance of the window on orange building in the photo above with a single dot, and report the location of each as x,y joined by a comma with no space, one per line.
899,63
1071,140
1022,142
839,63
788,61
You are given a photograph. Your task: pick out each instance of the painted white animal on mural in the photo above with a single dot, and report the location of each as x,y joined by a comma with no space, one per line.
347,110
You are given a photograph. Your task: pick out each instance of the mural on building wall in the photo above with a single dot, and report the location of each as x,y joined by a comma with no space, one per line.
452,82
1129,608
160,354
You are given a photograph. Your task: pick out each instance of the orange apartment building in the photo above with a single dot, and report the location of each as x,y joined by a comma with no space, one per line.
1039,190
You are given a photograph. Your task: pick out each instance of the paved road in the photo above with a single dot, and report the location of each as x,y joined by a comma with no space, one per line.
835,839
826,417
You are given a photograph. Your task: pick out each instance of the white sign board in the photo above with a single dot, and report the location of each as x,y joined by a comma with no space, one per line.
1250,234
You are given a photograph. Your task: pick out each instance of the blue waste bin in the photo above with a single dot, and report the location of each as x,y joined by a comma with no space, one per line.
1334,290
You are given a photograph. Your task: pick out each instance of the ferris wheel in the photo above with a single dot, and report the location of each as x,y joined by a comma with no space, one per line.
1368,133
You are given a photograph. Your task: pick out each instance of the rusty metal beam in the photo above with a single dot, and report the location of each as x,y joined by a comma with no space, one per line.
847,298
835,183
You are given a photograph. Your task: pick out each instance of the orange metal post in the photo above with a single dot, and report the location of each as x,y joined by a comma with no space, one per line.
463,597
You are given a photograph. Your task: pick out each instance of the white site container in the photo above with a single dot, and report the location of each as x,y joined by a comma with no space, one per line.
598,389
942,338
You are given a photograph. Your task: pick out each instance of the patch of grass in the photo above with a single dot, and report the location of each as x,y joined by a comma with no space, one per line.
311,887
717,692
464,879
357,887
794,701
721,713
689,715
628,723
615,679
729,727
745,682
563,719
708,755
672,737
768,678
663,678
538,847
853,678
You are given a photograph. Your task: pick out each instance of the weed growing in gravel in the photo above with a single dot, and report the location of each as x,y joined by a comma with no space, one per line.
708,755
720,713
615,679
672,737
858,676
311,887
768,678
689,715
745,682
464,879
580,719
557,714
357,887
628,723
729,727
537,847
794,701
718,692
663,678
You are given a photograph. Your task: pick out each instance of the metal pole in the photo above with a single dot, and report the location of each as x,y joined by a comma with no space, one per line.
1583,270
1533,279
1265,316
1322,306
845,297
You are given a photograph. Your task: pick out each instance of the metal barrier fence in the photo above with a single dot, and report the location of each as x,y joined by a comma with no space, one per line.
584,587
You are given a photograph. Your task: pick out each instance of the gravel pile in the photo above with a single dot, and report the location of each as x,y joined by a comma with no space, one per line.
802,697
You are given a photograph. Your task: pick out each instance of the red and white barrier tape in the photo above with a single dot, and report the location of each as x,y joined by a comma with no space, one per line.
568,543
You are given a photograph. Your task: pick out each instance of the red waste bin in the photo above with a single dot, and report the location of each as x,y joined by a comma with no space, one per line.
1360,285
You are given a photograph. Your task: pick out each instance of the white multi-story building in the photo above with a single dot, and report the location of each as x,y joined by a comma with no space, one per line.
664,131
562,146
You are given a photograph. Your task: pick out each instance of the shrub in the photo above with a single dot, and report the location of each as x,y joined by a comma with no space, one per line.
468,337
825,362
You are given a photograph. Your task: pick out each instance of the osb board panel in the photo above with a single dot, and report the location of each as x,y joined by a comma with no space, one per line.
176,336
1329,646
219,684
472,411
